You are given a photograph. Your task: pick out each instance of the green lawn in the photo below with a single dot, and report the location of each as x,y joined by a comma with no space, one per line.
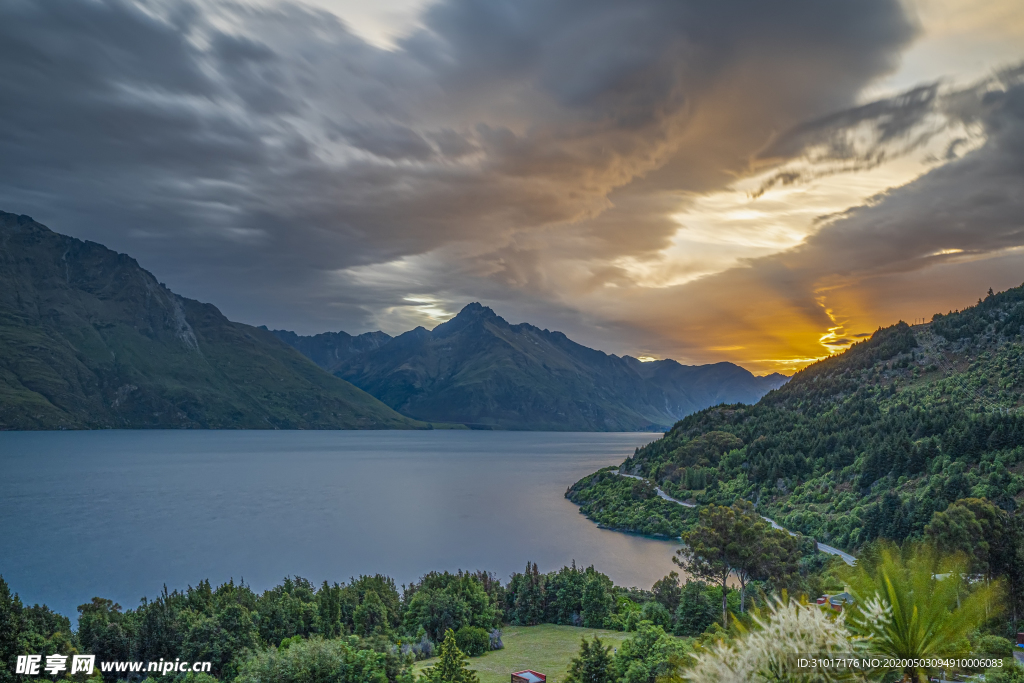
546,649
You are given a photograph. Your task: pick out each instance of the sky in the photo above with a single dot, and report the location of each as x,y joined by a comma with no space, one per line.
761,183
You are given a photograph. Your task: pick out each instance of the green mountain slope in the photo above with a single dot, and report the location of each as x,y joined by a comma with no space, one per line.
865,444
479,370
88,339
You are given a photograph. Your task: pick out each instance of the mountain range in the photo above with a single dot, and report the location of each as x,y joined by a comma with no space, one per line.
89,339
481,371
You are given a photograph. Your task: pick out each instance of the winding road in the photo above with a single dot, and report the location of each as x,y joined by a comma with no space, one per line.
847,557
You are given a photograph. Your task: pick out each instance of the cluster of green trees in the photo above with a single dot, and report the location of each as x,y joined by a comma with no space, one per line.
36,629
645,658
736,542
585,597
365,630
365,623
1000,315
570,596
444,601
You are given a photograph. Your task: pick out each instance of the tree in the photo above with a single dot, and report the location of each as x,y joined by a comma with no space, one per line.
668,592
443,600
649,655
529,597
597,601
371,617
93,619
706,554
914,603
735,539
979,530
654,612
696,611
452,666
220,639
988,537
766,553
564,592
436,611
592,664
10,618
161,627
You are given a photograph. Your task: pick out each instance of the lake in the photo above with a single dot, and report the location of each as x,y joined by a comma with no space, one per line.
118,514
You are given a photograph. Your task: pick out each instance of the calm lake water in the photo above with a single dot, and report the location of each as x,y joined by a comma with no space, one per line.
120,513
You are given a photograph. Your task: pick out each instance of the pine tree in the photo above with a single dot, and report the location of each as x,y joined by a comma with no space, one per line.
597,602
591,665
529,607
371,617
452,666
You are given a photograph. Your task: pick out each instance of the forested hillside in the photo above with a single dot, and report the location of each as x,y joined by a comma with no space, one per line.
89,339
866,444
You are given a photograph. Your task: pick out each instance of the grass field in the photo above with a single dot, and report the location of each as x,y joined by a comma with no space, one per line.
546,648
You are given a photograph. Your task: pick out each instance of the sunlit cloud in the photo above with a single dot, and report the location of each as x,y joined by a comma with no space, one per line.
769,212
416,311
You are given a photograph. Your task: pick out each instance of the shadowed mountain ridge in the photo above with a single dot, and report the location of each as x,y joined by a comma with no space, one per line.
479,370
89,339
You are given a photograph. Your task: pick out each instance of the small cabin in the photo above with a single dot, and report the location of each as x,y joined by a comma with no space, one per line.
528,676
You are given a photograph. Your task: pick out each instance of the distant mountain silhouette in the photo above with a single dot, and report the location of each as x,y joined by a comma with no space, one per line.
479,370
330,350
88,339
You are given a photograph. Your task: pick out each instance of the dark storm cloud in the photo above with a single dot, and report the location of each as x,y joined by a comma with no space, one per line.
890,119
389,141
247,154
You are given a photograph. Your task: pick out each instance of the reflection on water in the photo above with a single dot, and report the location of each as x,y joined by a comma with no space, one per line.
120,513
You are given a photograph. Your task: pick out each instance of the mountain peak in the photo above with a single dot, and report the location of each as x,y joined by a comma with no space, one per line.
476,310
471,315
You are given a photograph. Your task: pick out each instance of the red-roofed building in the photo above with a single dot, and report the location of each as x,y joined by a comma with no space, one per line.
528,677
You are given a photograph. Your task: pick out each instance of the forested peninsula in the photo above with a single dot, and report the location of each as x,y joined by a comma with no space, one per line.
867,444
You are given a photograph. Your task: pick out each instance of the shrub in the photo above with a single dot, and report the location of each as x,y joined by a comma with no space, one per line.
326,661
422,650
473,640
656,613
1010,673
993,645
